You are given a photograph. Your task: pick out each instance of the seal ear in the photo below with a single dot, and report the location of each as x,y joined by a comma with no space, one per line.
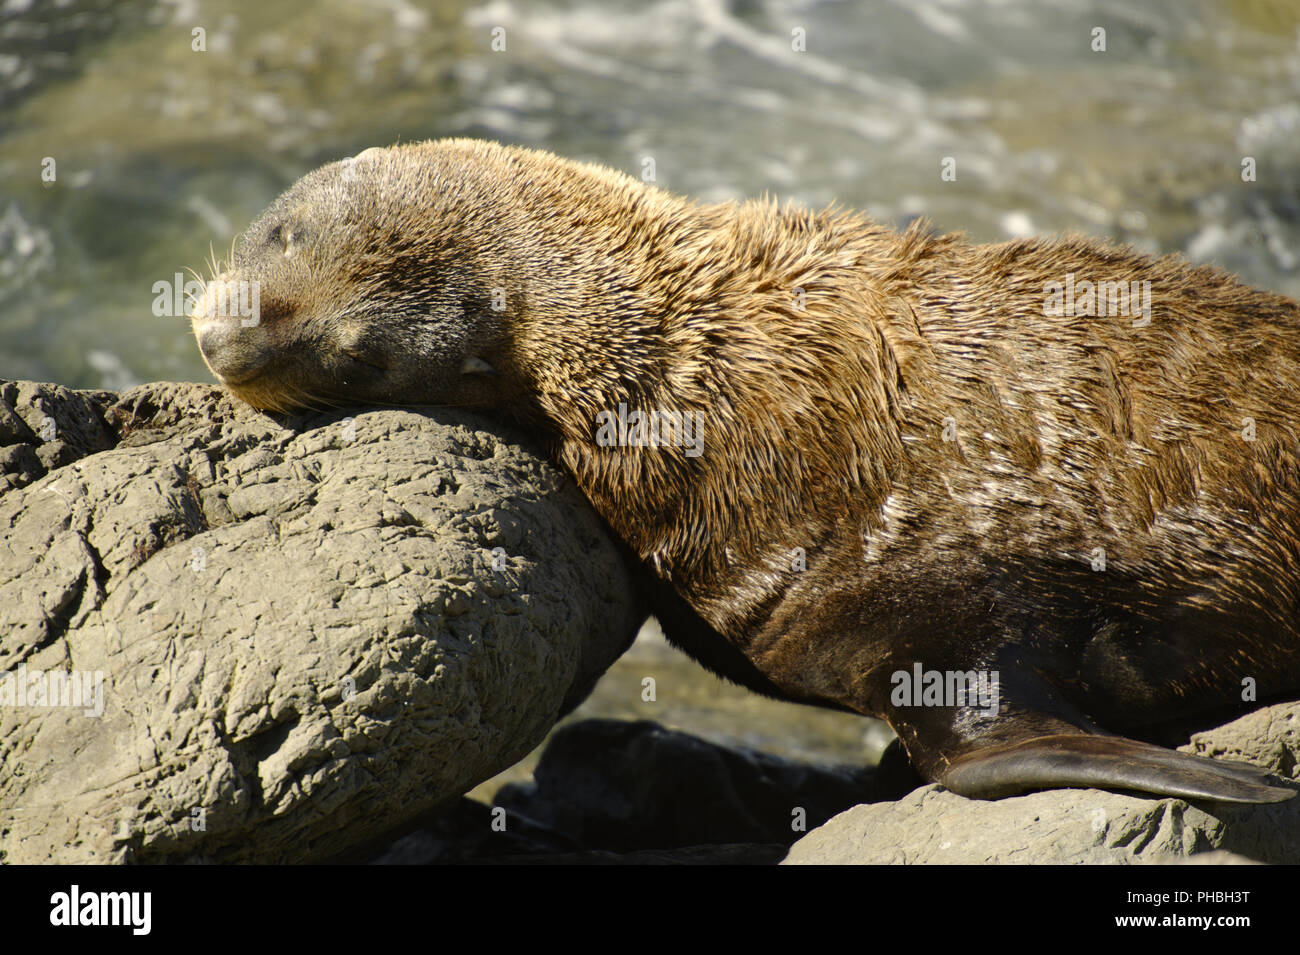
1109,762
370,153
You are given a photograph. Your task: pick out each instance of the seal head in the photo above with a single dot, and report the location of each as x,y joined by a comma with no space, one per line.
339,293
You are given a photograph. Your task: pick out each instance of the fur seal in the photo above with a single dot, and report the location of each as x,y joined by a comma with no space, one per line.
875,471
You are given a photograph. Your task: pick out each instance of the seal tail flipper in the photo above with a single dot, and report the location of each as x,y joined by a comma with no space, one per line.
1108,762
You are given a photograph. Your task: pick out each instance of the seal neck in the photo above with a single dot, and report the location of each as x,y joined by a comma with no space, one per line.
713,394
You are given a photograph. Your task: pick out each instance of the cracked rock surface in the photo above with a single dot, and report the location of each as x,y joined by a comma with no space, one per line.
932,825
275,640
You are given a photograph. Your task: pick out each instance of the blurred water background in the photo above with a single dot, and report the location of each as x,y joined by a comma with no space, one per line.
163,153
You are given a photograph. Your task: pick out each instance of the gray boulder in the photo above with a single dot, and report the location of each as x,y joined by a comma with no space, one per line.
275,640
932,825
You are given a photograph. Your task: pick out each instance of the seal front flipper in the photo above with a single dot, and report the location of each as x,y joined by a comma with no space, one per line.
1106,762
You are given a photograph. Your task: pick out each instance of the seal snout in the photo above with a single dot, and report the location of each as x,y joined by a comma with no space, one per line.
234,353
228,322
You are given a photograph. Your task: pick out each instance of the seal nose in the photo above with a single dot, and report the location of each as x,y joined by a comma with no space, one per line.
234,353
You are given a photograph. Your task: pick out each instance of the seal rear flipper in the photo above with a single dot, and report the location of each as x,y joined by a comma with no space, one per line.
1106,762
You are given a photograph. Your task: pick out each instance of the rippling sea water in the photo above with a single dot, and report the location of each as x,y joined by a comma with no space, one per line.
163,153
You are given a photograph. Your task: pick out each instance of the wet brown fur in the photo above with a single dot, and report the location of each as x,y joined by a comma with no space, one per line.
824,416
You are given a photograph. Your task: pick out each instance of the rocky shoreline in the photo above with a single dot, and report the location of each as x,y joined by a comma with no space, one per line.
226,637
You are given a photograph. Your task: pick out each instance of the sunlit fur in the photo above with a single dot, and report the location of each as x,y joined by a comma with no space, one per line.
824,414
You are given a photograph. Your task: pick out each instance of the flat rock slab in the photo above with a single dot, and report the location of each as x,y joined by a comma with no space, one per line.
932,825
275,640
